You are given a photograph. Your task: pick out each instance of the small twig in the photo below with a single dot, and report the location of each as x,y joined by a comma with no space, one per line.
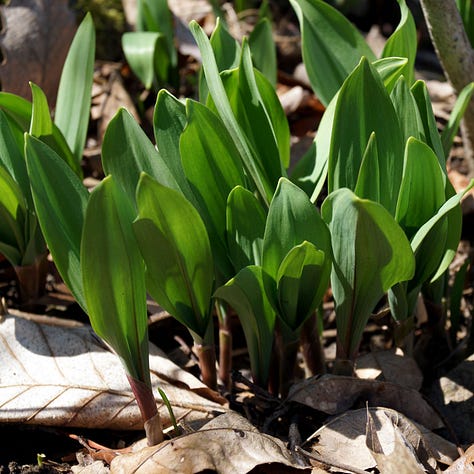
321,459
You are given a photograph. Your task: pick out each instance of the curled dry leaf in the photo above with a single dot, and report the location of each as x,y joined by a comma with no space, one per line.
61,376
334,394
464,464
226,445
344,438
390,366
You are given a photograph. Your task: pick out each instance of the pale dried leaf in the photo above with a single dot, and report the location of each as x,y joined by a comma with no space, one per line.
226,450
464,464
390,366
334,394
65,377
344,437
35,44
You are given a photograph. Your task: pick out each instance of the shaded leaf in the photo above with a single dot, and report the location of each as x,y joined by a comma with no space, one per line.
263,50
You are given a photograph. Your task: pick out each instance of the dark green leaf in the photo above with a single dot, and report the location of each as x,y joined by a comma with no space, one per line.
263,50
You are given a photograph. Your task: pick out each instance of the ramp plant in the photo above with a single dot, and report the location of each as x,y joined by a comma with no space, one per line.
21,238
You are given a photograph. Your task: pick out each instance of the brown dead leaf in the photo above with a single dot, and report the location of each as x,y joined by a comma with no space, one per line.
390,366
35,42
465,464
228,445
334,394
344,438
61,376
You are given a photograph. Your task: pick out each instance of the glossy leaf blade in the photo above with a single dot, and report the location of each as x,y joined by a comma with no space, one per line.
371,254
331,46
263,50
41,123
60,201
113,276
73,102
176,249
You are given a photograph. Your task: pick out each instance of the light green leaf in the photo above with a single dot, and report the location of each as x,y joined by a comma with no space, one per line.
422,190
371,254
451,128
245,227
144,53
263,50
127,151
176,249
331,46
113,276
60,201
73,103
302,280
364,106
213,167
368,181
403,41
41,123
223,107
245,293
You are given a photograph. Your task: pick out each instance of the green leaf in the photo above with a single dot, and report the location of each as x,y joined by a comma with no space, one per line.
212,165
302,280
226,52
364,106
263,50
422,190
371,254
407,111
451,128
176,249
430,129
41,123
73,103
245,227
113,276
127,151
331,46
12,217
219,96
403,41
60,201
11,157
368,181
245,293
144,53
292,219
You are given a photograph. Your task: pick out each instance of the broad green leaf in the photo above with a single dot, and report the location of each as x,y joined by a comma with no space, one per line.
451,128
254,117
292,219
12,216
142,51
302,280
310,172
11,157
73,103
41,123
403,41
331,46
245,227
263,50
60,201
245,293
219,97
127,151
169,121
212,165
364,106
113,276
226,52
422,190
407,111
371,254
430,129
176,249
368,181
